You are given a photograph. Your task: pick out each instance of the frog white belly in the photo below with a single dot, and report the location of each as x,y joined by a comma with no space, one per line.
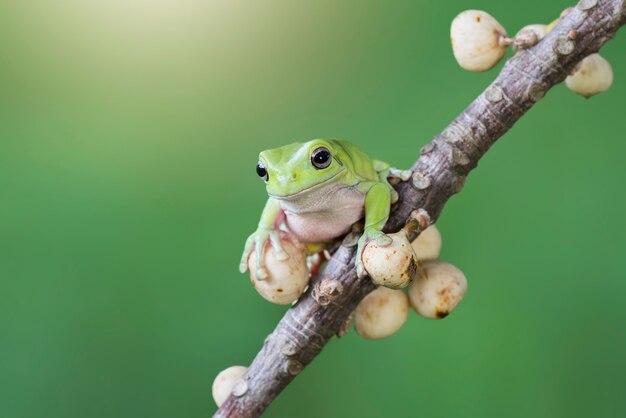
324,213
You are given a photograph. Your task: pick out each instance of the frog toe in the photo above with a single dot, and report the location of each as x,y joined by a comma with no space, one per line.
384,240
261,273
360,270
403,175
281,255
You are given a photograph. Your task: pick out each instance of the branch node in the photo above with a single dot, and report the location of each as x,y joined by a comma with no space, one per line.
536,92
294,367
240,388
458,185
420,180
286,346
494,94
327,290
449,134
526,38
459,157
564,45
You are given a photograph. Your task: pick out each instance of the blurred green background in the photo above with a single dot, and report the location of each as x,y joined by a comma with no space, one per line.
129,134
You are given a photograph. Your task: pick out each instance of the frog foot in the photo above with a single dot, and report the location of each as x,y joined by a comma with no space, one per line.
258,242
403,175
381,238
393,175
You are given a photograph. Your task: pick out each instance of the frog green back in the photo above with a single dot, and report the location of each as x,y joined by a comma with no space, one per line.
355,159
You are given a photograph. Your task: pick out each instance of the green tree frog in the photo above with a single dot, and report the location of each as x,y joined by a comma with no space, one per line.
318,190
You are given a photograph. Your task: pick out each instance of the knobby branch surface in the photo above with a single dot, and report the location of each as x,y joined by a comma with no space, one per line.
439,173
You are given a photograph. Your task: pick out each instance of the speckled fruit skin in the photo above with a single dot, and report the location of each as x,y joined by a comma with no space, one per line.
592,76
392,265
427,246
286,279
381,313
475,37
437,289
224,382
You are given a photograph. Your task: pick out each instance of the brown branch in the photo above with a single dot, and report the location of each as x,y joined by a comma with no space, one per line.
439,173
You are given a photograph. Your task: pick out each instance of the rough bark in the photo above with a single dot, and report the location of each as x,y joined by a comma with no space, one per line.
439,173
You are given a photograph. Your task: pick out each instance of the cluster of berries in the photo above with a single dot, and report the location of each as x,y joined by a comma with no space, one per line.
434,288
479,42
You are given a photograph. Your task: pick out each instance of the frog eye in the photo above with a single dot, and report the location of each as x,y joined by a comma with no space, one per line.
321,158
262,171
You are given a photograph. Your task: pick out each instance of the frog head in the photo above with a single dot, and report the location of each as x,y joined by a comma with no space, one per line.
295,168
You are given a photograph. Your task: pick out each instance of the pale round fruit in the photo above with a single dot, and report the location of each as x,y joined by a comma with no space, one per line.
427,246
475,37
287,279
437,289
592,76
392,265
381,313
224,382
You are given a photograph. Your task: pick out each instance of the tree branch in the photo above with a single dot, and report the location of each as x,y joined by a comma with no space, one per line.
439,173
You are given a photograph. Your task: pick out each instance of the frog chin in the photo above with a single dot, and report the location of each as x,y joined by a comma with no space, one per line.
298,194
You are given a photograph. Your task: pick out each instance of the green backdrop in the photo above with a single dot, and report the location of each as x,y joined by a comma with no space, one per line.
129,132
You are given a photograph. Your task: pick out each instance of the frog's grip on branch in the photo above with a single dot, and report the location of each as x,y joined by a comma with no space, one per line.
439,173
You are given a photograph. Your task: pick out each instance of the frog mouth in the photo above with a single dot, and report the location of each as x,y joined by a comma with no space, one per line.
304,191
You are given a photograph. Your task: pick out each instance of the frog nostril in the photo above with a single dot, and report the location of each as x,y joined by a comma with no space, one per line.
294,176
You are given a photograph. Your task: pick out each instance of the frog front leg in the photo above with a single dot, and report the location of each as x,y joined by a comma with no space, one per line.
385,171
267,230
377,204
